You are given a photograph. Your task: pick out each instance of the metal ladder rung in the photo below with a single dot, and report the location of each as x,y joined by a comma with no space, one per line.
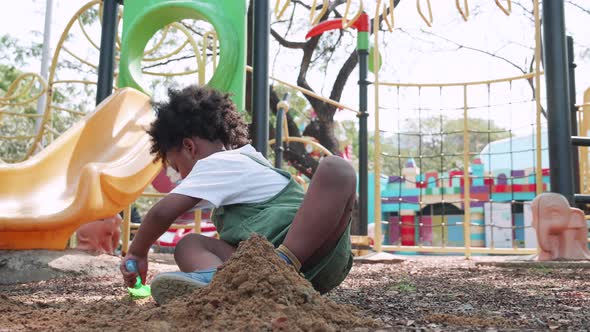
581,141
582,198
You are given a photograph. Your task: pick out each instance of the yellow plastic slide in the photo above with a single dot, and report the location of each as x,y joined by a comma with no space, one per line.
92,171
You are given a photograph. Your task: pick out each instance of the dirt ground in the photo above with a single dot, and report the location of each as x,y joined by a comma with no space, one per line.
451,294
420,294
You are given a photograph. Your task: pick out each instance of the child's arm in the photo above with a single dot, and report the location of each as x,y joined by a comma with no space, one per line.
155,223
158,220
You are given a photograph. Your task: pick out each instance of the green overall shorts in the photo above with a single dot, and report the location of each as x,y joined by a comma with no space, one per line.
272,219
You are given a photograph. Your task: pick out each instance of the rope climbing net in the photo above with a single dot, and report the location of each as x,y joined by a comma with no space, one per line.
462,164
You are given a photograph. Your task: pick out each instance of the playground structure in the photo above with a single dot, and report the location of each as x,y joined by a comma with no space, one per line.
108,121
468,193
407,198
44,202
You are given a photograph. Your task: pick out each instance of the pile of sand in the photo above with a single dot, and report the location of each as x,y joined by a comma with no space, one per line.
253,291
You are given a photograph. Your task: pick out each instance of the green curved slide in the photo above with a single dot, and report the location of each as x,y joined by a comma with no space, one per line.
143,18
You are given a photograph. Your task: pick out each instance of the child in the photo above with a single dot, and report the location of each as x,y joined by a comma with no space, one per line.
200,135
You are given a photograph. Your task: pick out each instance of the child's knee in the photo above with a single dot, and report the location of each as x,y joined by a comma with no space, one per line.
336,170
188,243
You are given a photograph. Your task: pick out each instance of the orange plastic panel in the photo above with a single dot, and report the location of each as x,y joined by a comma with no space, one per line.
91,172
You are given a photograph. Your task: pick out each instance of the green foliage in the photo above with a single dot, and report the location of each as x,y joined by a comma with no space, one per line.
13,126
90,16
7,75
542,269
403,286
12,56
438,140
14,53
17,130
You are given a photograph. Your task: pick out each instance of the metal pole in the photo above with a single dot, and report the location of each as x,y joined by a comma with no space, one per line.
260,91
363,146
574,112
279,139
558,103
106,62
279,131
45,58
363,54
377,134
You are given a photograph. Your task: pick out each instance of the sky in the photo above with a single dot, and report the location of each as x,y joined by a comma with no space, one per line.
413,52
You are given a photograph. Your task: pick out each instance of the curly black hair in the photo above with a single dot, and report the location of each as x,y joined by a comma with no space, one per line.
196,111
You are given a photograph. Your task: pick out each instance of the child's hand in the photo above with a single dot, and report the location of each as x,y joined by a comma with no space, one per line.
131,277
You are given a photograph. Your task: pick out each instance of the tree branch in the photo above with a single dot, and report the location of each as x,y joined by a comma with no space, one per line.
169,61
343,75
492,54
191,28
308,50
459,46
529,11
286,43
302,4
533,88
585,10
330,56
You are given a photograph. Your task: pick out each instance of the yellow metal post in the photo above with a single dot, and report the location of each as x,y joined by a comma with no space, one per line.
506,9
126,230
458,84
377,153
427,20
198,218
584,131
73,241
445,250
315,19
466,184
347,23
539,156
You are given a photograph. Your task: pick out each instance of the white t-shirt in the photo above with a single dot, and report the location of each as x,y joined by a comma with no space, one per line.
230,177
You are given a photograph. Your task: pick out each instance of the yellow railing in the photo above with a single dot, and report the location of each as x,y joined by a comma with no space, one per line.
310,93
45,133
428,17
426,14
46,130
468,251
505,9
388,19
313,18
346,22
584,130
280,10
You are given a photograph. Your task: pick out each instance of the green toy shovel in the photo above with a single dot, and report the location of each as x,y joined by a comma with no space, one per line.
139,290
